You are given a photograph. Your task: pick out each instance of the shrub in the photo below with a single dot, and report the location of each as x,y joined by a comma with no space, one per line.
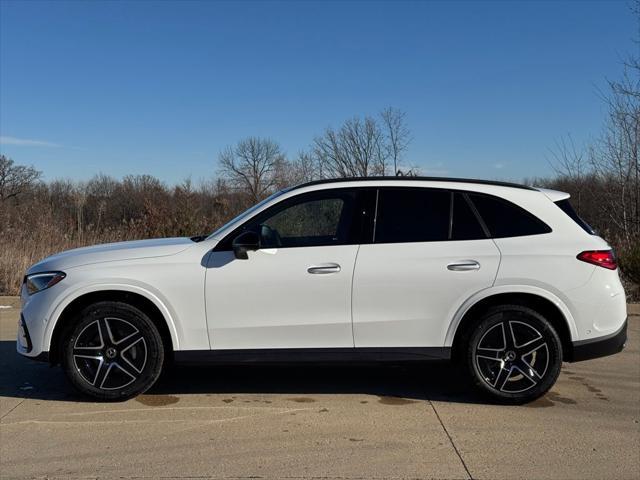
629,260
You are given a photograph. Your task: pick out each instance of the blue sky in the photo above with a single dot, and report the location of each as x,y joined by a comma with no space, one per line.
162,87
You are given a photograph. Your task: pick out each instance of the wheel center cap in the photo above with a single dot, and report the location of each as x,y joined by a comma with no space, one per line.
111,352
510,356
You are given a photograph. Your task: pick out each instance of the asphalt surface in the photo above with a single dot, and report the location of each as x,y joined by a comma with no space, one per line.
329,423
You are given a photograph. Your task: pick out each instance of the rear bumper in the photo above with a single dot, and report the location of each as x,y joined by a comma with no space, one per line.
599,347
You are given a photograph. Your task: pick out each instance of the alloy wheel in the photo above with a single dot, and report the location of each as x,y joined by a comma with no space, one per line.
512,356
110,353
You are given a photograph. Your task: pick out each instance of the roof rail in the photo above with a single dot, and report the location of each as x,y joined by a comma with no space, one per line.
430,179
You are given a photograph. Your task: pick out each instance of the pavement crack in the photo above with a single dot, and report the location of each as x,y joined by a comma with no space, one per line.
19,403
455,448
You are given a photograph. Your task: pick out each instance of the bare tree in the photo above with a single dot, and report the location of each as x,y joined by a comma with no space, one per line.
571,165
567,159
615,156
356,149
15,179
397,135
363,147
302,169
251,166
609,168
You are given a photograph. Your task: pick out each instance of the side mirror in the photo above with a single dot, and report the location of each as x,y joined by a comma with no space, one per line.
245,242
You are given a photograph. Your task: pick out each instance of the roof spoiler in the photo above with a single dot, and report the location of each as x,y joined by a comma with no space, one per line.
554,195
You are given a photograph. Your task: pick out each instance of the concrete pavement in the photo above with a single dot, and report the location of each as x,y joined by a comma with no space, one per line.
331,423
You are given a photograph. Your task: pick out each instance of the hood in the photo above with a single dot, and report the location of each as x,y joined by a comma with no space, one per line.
110,252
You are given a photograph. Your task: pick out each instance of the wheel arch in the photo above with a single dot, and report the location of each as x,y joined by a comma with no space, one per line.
550,306
142,299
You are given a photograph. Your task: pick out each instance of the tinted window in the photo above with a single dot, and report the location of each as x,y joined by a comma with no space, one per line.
465,224
307,220
316,222
567,208
412,215
504,219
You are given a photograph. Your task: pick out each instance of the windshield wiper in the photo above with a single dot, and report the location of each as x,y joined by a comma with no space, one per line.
198,238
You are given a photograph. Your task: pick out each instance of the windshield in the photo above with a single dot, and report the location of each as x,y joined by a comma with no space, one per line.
248,212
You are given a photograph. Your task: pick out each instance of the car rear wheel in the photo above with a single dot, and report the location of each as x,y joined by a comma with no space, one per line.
514,354
113,351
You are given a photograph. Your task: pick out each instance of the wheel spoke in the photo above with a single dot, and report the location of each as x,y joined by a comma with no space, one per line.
527,371
101,374
111,324
85,372
531,346
510,337
87,352
126,369
503,375
85,332
105,334
139,341
128,342
490,353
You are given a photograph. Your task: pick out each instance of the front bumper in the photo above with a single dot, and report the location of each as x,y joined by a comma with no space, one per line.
24,345
599,347
35,314
24,339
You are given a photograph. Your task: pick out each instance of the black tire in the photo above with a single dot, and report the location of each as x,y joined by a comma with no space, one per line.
518,368
112,351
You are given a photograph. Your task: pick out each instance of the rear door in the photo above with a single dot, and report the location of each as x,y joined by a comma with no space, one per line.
429,253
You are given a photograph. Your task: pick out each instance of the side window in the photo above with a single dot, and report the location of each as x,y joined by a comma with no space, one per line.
412,215
308,220
465,224
315,222
504,219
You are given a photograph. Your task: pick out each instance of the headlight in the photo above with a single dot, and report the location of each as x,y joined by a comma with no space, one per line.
37,282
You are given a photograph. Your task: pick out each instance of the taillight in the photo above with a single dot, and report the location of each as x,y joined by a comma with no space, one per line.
601,258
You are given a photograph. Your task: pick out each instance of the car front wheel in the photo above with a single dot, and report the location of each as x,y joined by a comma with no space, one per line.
514,354
113,351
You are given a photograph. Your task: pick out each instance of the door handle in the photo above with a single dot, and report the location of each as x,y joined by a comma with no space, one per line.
324,269
464,266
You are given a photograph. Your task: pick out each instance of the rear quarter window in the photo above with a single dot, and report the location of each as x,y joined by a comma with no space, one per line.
505,219
567,208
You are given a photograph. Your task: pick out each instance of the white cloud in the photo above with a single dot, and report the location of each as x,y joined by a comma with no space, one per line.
26,142
499,166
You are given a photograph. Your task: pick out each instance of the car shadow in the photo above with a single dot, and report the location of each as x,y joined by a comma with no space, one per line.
24,378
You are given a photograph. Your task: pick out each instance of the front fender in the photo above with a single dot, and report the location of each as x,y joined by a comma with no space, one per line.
139,288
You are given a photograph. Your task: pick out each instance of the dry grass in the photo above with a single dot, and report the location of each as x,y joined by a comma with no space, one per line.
20,250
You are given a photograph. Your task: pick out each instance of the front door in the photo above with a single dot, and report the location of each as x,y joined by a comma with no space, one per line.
295,291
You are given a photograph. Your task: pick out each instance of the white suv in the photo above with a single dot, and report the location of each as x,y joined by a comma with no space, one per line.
503,278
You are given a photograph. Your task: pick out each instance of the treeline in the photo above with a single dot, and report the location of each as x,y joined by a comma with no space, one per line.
40,218
45,218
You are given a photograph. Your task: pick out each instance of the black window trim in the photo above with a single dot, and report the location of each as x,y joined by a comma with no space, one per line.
360,199
566,206
371,220
452,192
475,211
465,194
544,224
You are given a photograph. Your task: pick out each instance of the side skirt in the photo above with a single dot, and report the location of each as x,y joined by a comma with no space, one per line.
312,355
